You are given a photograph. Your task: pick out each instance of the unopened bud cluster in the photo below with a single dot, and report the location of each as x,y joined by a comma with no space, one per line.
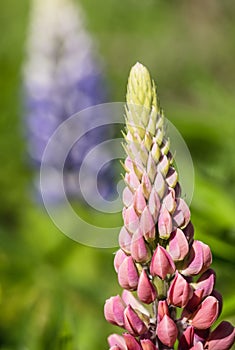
159,263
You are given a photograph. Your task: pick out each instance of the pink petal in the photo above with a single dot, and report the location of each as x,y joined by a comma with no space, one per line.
118,341
172,178
131,342
181,216
161,263
206,314
127,197
206,282
128,274
195,262
147,225
222,338
169,200
147,345
114,310
167,331
146,291
132,180
129,299
179,292
163,310
131,219
132,322
195,300
139,200
186,340
128,164
160,185
125,240
200,258
118,259
140,252
207,257
178,245
164,223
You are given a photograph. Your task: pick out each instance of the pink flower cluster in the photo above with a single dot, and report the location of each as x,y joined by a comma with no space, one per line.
159,259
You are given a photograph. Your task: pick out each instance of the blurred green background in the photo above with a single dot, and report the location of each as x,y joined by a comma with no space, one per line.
53,289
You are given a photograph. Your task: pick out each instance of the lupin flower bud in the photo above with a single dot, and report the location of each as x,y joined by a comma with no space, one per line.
206,282
160,185
131,342
181,215
114,311
178,245
118,259
116,341
139,200
206,314
127,274
167,331
127,197
164,223
163,310
200,259
180,291
147,225
140,252
161,264
131,219
132,322
125,239
132,180
154,204
146,291
136,305
194,301
186,340
160,259
169,200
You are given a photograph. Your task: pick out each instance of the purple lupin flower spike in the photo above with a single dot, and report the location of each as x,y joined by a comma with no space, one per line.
62,76
159,257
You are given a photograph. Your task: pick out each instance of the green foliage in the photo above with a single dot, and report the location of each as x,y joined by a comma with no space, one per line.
53,289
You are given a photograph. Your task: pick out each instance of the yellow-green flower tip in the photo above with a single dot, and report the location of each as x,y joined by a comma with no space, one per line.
140,89
142,111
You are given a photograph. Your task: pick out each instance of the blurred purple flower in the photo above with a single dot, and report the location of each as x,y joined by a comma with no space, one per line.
62,76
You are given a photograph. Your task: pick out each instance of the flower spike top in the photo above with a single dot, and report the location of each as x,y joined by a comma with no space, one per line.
159,263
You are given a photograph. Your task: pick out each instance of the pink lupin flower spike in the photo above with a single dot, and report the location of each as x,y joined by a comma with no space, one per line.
169,296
